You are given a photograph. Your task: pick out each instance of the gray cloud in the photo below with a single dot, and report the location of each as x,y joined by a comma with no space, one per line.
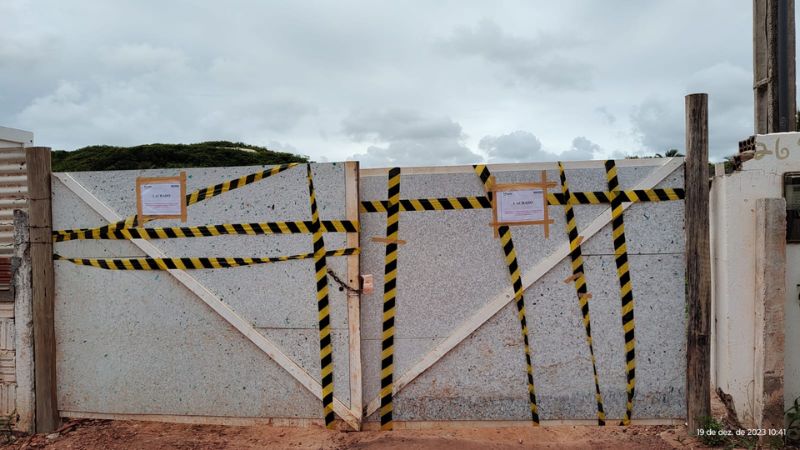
608,118
538,59
522,146
399,124
659,123
124,75
410,139
582,149
517,146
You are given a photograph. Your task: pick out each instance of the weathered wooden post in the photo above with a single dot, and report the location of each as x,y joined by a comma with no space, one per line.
44,341
774,86
698,263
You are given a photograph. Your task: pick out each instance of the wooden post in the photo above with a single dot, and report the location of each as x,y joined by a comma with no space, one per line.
44,340
774,66
698,263
353,297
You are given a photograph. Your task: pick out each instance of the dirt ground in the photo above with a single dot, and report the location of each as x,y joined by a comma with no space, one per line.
112,435
109,435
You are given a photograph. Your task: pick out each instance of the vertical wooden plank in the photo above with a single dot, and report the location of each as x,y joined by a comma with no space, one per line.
354,297
44,342
698,263
774,69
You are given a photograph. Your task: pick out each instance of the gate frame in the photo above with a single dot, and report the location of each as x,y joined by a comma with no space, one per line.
350,415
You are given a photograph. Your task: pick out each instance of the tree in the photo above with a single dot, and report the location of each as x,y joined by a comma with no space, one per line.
673,152
159,156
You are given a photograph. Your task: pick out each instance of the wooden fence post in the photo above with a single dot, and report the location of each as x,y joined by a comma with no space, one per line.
698,263
44,341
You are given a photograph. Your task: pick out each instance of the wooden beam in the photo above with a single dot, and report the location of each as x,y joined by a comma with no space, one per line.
368,426
44,336
529,277
214,302
698,263
512,167
473,424
774,87
353,294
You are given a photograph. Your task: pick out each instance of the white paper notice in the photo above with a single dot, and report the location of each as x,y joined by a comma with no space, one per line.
520,206
161,199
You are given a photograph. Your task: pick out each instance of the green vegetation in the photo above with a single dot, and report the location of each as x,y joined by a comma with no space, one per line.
710,433
793,423
158,156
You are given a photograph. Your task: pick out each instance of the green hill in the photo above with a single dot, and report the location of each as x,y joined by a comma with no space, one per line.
158,156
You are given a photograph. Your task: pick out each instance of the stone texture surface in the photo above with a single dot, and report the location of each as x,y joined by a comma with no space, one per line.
452,265
139,342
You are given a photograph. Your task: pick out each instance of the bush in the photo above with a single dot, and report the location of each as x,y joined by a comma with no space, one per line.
161,156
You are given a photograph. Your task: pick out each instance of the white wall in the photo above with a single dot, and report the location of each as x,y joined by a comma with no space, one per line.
733,200
11,137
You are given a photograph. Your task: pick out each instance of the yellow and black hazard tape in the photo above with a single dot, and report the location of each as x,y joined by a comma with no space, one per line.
190,263
323,307
328,226
191,198
516,281
553,199
625,288
389,299
225,186
580,287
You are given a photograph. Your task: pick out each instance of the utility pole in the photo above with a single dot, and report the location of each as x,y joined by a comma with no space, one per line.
774,66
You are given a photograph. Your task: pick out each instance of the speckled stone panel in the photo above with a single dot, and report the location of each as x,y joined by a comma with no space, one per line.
452,265
139,342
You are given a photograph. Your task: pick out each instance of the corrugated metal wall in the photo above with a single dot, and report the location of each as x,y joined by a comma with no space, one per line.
13,195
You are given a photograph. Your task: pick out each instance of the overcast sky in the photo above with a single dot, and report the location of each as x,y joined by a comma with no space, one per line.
404,82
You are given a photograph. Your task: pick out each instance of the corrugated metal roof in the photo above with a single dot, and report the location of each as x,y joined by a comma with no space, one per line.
13,193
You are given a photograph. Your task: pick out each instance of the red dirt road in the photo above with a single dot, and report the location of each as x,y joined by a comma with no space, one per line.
110,435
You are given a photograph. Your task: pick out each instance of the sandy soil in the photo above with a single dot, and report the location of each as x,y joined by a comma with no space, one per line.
108,435
112,435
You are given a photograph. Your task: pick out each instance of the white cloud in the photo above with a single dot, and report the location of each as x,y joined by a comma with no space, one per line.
352,79
142,57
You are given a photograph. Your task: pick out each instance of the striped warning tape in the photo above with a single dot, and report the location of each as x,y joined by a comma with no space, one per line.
189,263
191,198
625,288
328,226
580,287
323,306
217,189
553,199
389,299
516,280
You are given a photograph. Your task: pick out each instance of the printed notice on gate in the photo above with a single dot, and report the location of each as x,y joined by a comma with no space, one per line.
524,205
161,199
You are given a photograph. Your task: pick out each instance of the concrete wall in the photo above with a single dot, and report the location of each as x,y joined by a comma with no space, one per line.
132,342
452,265
137,342
733,199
